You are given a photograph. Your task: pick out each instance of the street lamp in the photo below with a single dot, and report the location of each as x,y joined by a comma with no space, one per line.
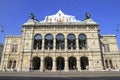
60,69
117,27
117,30
2,30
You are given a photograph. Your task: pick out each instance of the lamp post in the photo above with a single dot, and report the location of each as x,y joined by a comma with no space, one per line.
117,30
60,69
2,29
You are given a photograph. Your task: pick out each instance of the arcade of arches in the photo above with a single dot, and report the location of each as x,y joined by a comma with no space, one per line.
71,40
60,63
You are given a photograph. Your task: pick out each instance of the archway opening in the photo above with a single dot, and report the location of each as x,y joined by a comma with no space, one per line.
48,42
82,41
37,42
60,63
36,63
71,41
84,63
72,63
60,41
48,63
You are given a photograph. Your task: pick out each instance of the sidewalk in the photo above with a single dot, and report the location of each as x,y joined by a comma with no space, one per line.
63,74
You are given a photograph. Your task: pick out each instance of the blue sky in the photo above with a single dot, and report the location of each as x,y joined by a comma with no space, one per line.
13,13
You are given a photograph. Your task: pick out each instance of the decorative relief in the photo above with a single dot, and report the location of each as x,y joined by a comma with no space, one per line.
92,27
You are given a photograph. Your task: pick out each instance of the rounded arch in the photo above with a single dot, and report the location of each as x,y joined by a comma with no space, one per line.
84,62
71,36
60,41
49,36
48,63
37,36
71,41
72,63
36,63
60,63
37,41
49,41
11,63
82,36
82,39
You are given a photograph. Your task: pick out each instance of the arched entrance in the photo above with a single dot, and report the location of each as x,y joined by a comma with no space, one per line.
36,63
72,63
11,64
60,63
84,63
48,63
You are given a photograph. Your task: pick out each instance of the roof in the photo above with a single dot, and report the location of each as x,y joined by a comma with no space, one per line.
60,17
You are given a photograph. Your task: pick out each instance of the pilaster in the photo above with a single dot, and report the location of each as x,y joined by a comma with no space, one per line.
66,65
77,43
43,41
54,65
54,43
65,42
42,65
78,64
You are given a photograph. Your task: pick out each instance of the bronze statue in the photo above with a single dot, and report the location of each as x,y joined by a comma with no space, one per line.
32,16
87,15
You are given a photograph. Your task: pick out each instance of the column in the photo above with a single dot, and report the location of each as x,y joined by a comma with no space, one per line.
66,65
65,42
54,43
77,43
54,65
42,65
43,41
78,64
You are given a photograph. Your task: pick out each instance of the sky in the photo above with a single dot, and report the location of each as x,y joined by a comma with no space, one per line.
14,13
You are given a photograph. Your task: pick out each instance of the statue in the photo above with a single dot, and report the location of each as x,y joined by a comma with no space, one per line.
87,15
32,16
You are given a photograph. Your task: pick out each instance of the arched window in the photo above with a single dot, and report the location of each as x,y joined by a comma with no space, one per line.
60,41
14,64
9,64
38,42
48,41
82,41
71,41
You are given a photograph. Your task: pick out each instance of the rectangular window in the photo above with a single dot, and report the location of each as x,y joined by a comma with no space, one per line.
106,48
14,48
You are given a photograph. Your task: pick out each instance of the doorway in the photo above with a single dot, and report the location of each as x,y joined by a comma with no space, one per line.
48,63
36,63
84,63
60,63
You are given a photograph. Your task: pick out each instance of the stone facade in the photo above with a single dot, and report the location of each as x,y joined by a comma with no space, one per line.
60,42
1,50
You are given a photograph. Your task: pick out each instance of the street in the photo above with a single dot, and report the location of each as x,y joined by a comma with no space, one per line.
57,78
86,75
